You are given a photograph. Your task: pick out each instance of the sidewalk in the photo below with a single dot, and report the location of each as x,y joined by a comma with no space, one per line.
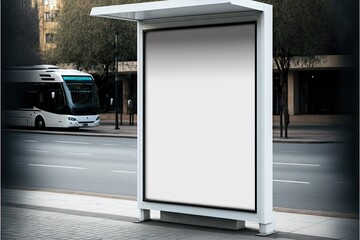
313,133
50,215
297,133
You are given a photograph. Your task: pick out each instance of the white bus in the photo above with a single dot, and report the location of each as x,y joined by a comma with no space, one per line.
45,96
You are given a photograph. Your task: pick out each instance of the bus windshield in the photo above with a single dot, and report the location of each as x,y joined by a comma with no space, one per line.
81,92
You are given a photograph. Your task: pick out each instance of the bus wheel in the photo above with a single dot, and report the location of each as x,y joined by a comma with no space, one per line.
39,123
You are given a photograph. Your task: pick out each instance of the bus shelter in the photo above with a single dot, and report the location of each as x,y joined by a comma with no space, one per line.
205,108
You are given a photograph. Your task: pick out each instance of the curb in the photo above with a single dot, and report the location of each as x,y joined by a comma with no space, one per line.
134,136
120,135
70,192
126,134
308,141
317,213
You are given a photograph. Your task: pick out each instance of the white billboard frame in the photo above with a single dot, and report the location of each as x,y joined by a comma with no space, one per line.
196,70
245,11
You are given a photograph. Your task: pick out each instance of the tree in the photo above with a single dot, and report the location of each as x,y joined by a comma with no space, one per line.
19,33
300,36
88,42
344,33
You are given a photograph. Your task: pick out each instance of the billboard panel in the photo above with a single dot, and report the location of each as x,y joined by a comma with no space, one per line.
199,142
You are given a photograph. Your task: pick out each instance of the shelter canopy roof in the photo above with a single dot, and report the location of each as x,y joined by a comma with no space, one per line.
175,8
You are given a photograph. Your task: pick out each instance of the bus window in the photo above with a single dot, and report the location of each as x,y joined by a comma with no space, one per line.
46,101
82,93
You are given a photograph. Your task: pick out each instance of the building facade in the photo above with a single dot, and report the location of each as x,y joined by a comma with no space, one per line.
324,88
49,11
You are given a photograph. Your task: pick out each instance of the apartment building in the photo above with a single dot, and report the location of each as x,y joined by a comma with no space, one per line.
49,11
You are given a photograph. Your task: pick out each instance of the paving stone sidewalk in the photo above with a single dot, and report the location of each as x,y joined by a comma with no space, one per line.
28,224
30,215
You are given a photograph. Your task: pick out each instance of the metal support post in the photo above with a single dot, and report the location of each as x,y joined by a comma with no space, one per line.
144,215
116,85
266,229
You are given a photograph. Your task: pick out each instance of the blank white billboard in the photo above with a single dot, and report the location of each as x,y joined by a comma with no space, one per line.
200,116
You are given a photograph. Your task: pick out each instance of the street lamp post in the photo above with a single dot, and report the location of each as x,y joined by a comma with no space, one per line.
116,85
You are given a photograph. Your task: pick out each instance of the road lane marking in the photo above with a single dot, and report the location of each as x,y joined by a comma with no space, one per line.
78,153
56,166
68,142
344,182
121,171
288,181
290,151
29,141
297,164
38,151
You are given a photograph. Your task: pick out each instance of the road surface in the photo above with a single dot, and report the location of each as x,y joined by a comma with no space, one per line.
318,177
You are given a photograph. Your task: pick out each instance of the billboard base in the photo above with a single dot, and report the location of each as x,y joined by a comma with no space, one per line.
143,216
202,221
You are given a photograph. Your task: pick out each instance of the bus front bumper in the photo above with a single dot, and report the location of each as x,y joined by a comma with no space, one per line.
77,122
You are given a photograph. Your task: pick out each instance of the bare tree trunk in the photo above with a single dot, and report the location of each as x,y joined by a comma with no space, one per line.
284,112
283,64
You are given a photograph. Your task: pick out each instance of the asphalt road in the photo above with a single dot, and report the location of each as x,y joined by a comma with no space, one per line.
319,177
75,163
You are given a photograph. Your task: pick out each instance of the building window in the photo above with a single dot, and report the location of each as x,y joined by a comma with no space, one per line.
51,16
326,92
49,38
48,16
52,4
49,2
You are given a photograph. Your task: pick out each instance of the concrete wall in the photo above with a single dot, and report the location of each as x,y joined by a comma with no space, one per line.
293,93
